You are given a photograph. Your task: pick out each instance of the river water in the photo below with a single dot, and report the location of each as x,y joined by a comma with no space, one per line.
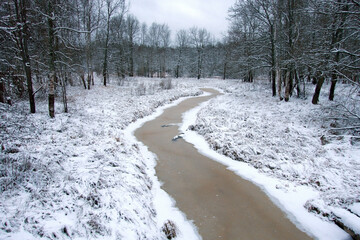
221,204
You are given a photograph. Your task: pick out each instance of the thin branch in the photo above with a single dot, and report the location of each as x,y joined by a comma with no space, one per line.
71,29
347,78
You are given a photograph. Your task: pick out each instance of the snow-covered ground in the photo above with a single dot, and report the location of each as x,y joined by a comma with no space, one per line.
83,175
79,175
291,143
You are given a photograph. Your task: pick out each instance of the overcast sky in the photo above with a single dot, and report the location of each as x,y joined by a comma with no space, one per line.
184,14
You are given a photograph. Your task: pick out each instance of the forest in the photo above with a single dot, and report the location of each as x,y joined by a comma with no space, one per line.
49,45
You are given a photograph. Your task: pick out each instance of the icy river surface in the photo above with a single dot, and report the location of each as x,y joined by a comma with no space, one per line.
221,204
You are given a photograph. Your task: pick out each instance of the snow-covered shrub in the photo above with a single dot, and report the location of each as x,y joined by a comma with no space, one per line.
169,230
344,113
166,84
140,90
14,168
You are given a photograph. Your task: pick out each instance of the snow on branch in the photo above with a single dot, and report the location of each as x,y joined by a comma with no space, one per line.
71,29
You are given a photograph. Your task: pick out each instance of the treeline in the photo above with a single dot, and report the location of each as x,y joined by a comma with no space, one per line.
49,44
295,42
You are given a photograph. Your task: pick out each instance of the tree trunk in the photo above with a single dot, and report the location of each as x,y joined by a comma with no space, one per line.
287,86
297,84
29,86
88,21
278,77
105,64
337,37
52,79
273,59
64,96
177,71
332,87
131,67
199,67
51,96
21,16
273,82
319,84
83,80
2,92
225,70
89,80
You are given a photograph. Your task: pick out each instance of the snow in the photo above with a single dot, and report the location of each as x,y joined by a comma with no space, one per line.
83,175
79,175
355,208
277,146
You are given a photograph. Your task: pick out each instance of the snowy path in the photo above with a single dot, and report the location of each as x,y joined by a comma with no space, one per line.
222,205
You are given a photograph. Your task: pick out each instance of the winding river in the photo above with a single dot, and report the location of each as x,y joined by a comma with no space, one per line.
221,204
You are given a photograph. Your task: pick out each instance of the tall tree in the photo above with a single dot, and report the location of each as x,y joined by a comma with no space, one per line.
51,34
338,32
132,30
16,26
110,7
182,41
164,45
154,44
88,22
200,38
265,12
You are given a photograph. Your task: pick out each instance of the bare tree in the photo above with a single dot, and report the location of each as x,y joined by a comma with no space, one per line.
164,32
51,34
16,26
90,24
200,38
111,6
132,30
266,12
182,42
154,44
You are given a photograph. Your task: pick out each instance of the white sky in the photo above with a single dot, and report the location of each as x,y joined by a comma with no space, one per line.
184,14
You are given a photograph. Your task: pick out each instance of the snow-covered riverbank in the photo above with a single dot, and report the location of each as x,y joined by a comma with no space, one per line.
81,175
290,143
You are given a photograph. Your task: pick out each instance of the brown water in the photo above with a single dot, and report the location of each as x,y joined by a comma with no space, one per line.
222,204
